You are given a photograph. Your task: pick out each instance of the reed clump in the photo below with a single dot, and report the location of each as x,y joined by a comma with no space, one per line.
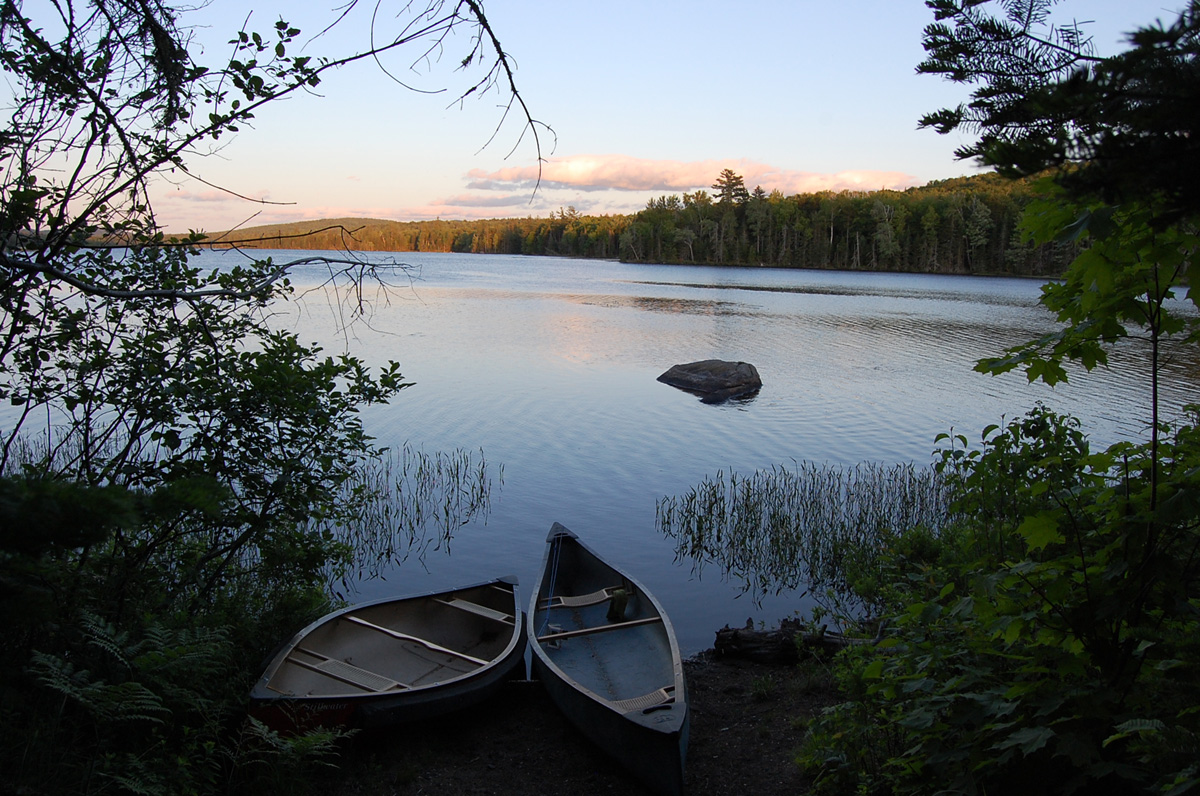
810,525
409,500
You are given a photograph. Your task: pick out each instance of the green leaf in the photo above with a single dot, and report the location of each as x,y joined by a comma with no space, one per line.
1027,739
1039,531
1134,727
1013,631
1141,725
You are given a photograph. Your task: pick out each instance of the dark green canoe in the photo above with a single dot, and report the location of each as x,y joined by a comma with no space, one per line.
606,653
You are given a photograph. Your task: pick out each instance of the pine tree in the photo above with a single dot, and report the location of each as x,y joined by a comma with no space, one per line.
730,188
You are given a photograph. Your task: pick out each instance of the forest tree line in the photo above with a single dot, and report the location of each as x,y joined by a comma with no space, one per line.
962,225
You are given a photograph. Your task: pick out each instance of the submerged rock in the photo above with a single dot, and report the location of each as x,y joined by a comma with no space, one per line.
714,380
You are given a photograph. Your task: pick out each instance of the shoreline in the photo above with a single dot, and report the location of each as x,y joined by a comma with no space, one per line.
747,719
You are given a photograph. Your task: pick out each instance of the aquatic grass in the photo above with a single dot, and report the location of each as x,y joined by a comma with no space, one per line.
408,501
391,504
811,525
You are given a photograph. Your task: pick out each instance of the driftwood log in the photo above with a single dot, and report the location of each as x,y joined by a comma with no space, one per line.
784,644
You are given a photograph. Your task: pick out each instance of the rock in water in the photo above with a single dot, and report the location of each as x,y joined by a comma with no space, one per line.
714,380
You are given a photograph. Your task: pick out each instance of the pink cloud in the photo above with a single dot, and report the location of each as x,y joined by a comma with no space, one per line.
625,173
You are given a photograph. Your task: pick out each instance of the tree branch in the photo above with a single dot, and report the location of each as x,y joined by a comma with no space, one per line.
258,290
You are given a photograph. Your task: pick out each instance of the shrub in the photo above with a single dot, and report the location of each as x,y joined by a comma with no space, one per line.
1056,651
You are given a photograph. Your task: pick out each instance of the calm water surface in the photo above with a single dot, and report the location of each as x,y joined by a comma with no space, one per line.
549,366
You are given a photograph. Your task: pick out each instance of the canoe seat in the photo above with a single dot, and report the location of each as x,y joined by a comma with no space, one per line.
476,608
658,697
345,672
580,600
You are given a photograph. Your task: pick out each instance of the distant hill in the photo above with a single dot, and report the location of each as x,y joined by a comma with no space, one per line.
341,232
565,233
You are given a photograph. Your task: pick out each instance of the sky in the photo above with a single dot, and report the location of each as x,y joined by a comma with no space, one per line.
643,98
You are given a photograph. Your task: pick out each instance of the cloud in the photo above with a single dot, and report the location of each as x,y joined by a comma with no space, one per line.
202,197
625,173
592,184
476,200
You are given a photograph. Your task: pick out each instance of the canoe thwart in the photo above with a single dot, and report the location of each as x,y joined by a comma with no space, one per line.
659,697
345,672
580,600
583,631
429,645
476,608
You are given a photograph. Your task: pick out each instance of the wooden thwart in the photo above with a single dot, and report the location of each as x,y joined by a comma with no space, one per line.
583,631
396,634
476,608
580,600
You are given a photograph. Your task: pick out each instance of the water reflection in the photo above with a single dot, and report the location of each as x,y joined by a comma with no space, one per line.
923,294
667,304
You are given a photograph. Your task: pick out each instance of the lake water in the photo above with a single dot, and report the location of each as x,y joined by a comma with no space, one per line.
549,365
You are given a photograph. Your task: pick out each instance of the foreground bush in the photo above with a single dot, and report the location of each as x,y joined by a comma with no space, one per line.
1047,645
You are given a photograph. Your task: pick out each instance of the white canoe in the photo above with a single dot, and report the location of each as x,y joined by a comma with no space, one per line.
395,660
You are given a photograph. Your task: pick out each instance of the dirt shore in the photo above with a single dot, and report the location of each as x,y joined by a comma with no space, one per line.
746,721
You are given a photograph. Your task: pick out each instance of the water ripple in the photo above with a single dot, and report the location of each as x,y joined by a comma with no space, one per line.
549,366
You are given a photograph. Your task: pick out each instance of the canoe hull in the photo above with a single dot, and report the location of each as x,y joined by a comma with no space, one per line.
394,661
612,667
651,746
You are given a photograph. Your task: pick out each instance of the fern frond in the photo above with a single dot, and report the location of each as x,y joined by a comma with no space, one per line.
107,703
105,637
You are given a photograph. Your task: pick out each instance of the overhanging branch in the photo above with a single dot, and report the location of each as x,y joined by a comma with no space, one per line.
257,290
